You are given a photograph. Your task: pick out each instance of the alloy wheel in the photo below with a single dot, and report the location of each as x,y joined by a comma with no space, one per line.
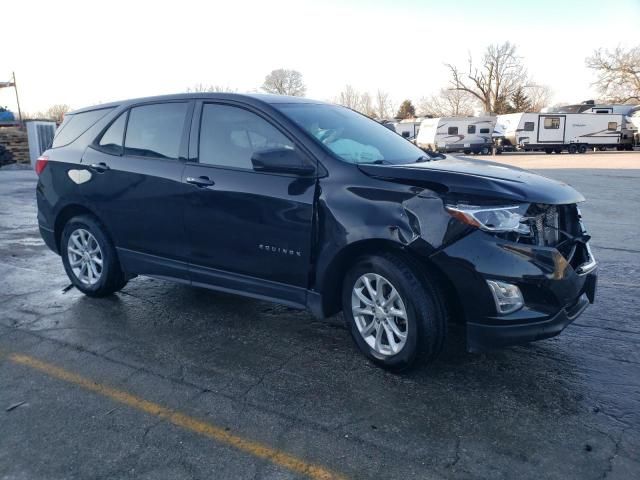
380,314
85,256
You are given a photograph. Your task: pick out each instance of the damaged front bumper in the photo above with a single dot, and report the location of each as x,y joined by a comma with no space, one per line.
555,292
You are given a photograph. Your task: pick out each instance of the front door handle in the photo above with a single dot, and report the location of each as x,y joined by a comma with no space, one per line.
200,181
99,167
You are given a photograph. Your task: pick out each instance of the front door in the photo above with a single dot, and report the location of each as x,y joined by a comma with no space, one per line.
137,190
247,230
551,128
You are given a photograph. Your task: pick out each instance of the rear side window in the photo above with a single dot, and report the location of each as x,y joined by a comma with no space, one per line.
471,129
155,130
229,136
452,131
484,130
111,141
612,126
76,124
529,126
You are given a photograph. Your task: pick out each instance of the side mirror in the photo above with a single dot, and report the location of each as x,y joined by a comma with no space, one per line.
281,160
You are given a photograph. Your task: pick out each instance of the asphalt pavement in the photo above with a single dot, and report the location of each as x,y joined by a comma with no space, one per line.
168,381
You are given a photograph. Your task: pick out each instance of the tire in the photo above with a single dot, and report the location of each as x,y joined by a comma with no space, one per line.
467,152
557,150
572,148
548,151
425,325
582,149
98,247
484,151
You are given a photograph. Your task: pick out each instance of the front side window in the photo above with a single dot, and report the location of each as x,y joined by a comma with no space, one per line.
484,130
612,126
111,141
155,130
350,136
471,129
452,131
76,124
229,136
552,123
529,126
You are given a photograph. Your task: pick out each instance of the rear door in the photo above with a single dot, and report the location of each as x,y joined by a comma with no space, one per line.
247,230
137,188
551,128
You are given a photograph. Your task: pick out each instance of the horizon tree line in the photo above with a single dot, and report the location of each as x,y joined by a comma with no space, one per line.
496,83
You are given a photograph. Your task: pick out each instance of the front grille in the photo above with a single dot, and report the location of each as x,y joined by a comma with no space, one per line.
546,226
557,226
550,224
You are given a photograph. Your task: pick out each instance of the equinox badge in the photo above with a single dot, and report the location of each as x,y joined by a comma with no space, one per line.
283,251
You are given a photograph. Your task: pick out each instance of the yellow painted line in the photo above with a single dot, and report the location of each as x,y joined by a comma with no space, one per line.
209,430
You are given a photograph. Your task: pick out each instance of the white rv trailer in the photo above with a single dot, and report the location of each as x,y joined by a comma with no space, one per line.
555,132
407,128
457,134
629,126
634,120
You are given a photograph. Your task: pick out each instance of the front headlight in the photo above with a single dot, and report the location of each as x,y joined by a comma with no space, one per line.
492,219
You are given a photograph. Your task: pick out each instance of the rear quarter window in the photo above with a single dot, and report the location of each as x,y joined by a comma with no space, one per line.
76,124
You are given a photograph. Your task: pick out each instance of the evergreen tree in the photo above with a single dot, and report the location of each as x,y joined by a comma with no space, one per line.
406,110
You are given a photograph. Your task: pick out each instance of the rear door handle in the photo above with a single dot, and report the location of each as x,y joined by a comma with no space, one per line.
99,167
200,181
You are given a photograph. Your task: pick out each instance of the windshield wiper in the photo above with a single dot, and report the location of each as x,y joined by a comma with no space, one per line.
376,162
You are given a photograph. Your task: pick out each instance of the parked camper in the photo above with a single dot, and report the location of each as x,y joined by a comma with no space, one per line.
457,134
554,132
407,128
629,128
634,119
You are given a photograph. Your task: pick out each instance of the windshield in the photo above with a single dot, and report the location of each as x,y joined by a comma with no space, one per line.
352,137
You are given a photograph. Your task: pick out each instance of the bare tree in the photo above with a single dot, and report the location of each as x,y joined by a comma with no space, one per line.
383,106
284,82
539,96
618,74
349,97
366,105
57,112
200,88
447,103
495,79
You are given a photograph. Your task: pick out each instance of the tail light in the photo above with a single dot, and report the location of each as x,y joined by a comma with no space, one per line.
41,162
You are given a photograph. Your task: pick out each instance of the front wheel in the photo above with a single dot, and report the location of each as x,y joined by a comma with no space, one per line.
90,258
396,316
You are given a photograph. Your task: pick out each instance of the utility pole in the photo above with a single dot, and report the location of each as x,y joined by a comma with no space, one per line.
15,87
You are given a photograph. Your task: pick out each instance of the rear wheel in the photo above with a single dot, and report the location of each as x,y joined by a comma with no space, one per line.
582,149
395,315
90,258
572,148
467,152
484,151
557,150
548,151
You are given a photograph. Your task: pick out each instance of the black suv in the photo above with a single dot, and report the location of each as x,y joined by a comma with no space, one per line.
314,206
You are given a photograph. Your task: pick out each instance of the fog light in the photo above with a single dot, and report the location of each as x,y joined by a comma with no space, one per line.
508,297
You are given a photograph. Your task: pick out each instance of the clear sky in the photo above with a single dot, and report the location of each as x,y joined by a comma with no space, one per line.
85,52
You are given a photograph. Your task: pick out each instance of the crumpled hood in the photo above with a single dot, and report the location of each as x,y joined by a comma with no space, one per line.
479,178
